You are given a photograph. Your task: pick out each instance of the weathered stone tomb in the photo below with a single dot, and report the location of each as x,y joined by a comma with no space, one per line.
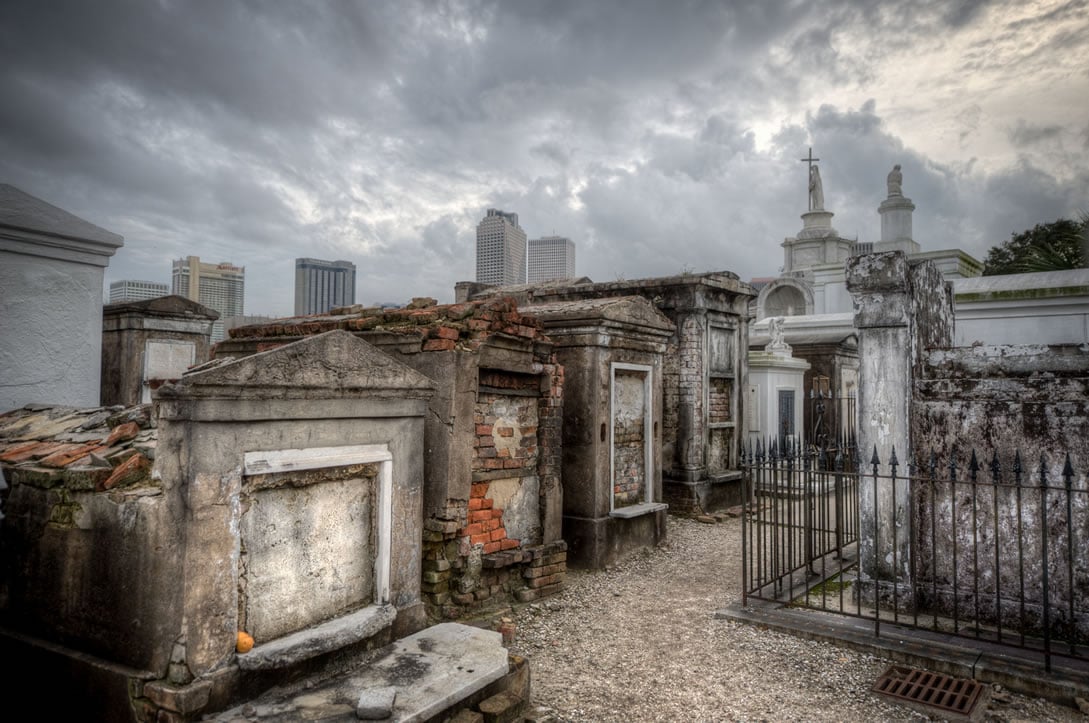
703,368
492,500
285,502
145,343
611,350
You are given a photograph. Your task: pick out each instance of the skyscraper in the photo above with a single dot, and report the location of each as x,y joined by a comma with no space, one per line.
500,249
551,257
136,290
321,285
218,286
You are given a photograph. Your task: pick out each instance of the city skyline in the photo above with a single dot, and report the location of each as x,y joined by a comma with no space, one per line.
136,290
219,286
550,258
321,285
501,249
232,131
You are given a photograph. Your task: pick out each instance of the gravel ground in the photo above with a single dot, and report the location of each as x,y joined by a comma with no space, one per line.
638,642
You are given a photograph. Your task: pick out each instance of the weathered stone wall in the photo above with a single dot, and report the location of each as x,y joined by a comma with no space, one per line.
1001,403
79,534
629,439
700,460
493,498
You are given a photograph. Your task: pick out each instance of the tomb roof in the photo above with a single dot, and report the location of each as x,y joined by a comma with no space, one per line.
89,449
1069,281
20,210
442,327
629,309
162,305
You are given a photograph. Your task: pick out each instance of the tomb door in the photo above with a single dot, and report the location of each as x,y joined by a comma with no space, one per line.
165,359
631,439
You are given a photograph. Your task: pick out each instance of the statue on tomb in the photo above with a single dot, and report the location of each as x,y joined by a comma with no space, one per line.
895,182
816,189
778,344
775,329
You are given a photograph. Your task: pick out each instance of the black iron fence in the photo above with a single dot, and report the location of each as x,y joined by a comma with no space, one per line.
996,551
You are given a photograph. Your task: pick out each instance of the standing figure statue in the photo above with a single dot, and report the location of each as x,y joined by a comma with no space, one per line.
895,181
816,190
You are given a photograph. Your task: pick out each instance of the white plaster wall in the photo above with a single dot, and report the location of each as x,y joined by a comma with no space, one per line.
1024,322
50,331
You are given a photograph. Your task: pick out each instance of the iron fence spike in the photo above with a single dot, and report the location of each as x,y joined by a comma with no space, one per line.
1068,472
893,462
875,459
973,463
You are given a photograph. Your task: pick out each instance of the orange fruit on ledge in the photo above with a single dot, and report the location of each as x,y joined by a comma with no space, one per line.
245,642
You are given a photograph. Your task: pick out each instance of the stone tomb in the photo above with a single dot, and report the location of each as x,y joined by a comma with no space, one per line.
611,350
492,498
285,501
147,342
703,369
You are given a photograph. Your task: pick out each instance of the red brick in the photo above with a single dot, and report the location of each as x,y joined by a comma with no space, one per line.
505,431
480,515
496,464
496,513
490,547
439,345
29,450
482,538
473,529
490,525
509,544
134,469
69,453
483,429
476,503
525,331
478,324
498,534
122,433
486,504
479,489
445,332
508,463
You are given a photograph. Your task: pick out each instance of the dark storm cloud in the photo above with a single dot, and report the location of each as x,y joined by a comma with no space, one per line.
658,136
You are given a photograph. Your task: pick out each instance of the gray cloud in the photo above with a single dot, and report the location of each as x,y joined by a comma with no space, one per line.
658,136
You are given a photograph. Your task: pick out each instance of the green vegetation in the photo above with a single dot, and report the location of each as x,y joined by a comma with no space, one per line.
1062,244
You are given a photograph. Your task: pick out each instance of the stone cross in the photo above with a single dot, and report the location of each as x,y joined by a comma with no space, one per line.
810,160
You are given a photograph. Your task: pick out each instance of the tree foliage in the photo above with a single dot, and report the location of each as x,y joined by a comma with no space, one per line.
1052,246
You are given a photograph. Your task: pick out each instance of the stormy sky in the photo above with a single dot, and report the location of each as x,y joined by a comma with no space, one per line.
659,136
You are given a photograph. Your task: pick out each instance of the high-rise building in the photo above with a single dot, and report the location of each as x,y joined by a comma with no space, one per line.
500,249
551,257
218,286
322,285
136,291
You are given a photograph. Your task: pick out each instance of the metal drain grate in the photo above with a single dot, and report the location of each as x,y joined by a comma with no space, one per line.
931,691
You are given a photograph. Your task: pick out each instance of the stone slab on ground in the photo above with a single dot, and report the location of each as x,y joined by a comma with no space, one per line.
435,668
331,635
376,703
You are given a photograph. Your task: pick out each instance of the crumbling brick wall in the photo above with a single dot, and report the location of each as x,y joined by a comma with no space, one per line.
495,485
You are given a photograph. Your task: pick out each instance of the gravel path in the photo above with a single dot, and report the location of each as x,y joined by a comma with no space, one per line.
638,642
